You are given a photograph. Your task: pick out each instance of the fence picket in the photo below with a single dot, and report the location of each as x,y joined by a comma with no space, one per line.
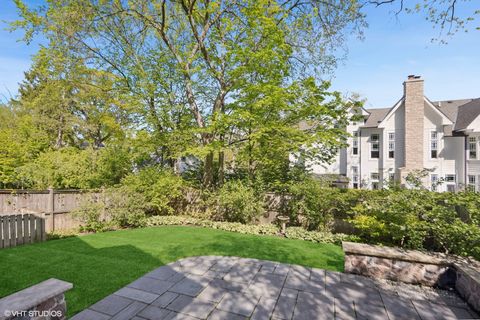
31,217
43,233
38,229
19,229
25,228
1,232
6,233
13,231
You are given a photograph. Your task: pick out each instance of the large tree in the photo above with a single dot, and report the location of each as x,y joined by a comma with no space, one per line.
189,67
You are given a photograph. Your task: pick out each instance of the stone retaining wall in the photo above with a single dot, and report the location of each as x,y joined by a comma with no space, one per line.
45,300
414,267
468,285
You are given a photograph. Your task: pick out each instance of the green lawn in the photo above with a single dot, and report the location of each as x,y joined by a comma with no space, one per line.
99,264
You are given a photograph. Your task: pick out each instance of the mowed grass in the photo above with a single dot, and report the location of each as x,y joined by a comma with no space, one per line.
100,264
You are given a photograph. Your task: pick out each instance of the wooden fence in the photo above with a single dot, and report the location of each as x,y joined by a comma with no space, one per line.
21,229
52,205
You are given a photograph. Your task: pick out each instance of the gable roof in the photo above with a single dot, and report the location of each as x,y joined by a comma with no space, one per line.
466,114
376,116
451,109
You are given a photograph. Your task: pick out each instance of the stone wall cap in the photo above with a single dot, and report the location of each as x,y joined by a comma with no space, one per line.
472,271
395,253
32,296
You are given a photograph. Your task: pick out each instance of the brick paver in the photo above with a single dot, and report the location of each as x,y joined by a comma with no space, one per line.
212,287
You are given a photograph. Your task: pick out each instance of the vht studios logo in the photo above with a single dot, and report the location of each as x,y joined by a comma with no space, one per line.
33,313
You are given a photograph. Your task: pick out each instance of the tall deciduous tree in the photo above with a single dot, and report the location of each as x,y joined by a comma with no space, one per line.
218,60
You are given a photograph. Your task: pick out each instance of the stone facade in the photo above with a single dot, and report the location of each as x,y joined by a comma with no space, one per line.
396,270
414,122
43,301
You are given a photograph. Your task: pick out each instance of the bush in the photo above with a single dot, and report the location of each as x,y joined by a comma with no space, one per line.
125,208
420,219
314,206
114,208
162,190
316,236
238,202
90,213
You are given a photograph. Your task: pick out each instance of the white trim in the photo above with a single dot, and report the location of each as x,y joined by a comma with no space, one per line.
445,119
391,112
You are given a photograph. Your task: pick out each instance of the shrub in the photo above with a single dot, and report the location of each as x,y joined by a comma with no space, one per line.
314,206
316,236
114,208
90,214
420,219
163,191
125,208
238,202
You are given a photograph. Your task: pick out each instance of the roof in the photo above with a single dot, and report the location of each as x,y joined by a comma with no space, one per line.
466,114
450,107
462,112
376,116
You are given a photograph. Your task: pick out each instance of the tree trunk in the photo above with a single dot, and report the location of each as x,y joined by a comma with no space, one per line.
208,171
221,168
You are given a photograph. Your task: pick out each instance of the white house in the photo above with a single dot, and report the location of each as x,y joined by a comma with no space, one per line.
414,134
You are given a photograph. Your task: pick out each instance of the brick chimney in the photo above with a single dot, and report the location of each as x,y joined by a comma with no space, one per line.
414,114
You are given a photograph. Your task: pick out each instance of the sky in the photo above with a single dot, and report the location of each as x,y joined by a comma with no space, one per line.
375,68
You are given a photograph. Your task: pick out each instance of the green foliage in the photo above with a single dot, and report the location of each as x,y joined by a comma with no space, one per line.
259,229
76,168
313,205
240,86
163,190
316,236
91,216
420,219
125,208
238,202
112,208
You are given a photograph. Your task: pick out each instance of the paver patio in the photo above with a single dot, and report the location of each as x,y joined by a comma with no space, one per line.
211,287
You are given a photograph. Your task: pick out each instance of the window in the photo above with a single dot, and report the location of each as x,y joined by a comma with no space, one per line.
433,145
375,186
450,187
374,176
391,176
472,182
355,143
434,181
391,145
450,178
472,147
355,177
375,146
